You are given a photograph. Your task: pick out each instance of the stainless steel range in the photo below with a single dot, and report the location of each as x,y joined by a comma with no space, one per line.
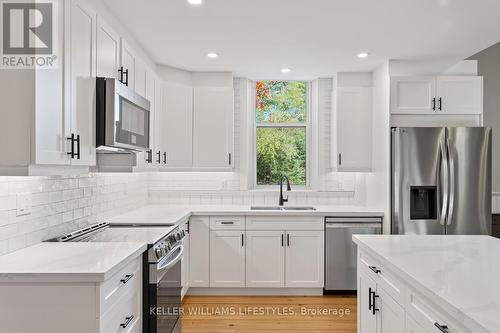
161,268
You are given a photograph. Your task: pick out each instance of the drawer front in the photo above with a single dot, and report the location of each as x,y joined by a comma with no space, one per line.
227,222
128,280
428,316
384,278
125,316
285,223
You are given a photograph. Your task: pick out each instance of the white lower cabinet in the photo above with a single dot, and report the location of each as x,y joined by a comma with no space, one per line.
227,258
185,265
388,303
265,259
199,250
304,259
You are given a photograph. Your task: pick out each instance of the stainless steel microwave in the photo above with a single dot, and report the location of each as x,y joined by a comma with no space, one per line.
123,116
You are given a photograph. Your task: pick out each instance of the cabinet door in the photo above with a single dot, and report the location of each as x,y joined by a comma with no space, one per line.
227,258
413,95
304,259
199,252
367,321
354,129
177,125
265,259
108,50
412,326
140,77
390,315
460,94
128,61
213,128
185,265
83,57
151,84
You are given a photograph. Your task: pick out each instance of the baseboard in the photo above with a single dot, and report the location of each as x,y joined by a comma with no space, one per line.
255,291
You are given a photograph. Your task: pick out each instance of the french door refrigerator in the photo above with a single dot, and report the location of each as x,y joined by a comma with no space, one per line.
441,180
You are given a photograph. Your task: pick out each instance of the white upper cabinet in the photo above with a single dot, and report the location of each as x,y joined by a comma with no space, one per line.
265,259
354,129
460,94
413,95
108,50
82,75
213,128
452,95
141,77
129,62
227,258
177,125
304,259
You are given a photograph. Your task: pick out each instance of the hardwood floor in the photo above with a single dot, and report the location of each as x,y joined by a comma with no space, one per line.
267,314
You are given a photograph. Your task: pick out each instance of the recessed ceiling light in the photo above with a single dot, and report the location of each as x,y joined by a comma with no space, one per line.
363,55
286,70
212,55
195,2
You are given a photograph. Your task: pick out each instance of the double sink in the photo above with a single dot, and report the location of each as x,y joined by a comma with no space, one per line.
282,208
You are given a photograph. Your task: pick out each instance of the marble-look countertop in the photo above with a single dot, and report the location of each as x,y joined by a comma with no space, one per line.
457,272
68,262
170,214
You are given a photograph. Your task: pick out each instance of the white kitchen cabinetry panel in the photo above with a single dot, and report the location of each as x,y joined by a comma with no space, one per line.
413,95
82,67
354,119
199,248
128,62
140,77
185,265
177,125
460,94
227,259
391,315
265,259
304,259
213,128
280,223
367,322
108,50
413,327
227,223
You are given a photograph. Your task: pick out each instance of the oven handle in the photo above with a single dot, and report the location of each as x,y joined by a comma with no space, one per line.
167,264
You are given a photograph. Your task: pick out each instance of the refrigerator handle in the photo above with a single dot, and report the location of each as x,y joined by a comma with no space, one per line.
451,168
396,162
444,190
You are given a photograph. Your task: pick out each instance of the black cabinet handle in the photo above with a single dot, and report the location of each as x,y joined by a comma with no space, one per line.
159,157
340,159
374,269
442,328
227,222
282,240
149,156
440,104
370,305
127,278
372,296
78,146
126,77
287,239
165,158
230,161
242,240
120,70
72,139
434,104
127,322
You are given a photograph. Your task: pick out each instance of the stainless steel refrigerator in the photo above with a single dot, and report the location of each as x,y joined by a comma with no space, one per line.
441,180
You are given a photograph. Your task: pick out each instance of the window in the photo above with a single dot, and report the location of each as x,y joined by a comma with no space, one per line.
281,119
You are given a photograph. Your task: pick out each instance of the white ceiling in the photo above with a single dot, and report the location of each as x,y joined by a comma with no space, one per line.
256,38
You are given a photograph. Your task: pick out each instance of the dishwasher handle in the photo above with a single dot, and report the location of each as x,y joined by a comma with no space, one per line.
353,225
356,220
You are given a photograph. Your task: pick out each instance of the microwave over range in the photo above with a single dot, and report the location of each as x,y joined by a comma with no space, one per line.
122,117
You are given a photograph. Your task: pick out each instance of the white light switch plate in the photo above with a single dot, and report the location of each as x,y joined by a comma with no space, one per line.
23,204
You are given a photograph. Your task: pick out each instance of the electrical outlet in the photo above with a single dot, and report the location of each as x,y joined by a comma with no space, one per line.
23,204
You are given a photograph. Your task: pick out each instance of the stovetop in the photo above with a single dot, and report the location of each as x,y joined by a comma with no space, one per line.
150,235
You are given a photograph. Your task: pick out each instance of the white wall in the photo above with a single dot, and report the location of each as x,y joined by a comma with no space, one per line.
378,181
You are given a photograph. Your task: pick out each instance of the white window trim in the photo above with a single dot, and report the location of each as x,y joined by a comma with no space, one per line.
309,142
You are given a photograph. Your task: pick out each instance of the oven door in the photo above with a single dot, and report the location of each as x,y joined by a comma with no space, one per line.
165,293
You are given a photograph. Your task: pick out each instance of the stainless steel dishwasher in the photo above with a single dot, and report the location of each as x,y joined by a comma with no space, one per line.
341,253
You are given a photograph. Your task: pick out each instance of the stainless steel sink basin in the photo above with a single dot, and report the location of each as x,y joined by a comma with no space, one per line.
274,208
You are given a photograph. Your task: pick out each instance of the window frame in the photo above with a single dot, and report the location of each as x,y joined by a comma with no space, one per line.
307,125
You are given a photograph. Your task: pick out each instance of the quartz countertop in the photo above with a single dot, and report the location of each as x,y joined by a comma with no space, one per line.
174,214
68,262
457,272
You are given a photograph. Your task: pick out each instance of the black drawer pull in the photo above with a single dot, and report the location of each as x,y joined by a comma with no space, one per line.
227,222
442,328
374,269
127,278
127,322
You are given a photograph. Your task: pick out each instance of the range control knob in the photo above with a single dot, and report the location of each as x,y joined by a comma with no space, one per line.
178,236
159,252
167,248
183,233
